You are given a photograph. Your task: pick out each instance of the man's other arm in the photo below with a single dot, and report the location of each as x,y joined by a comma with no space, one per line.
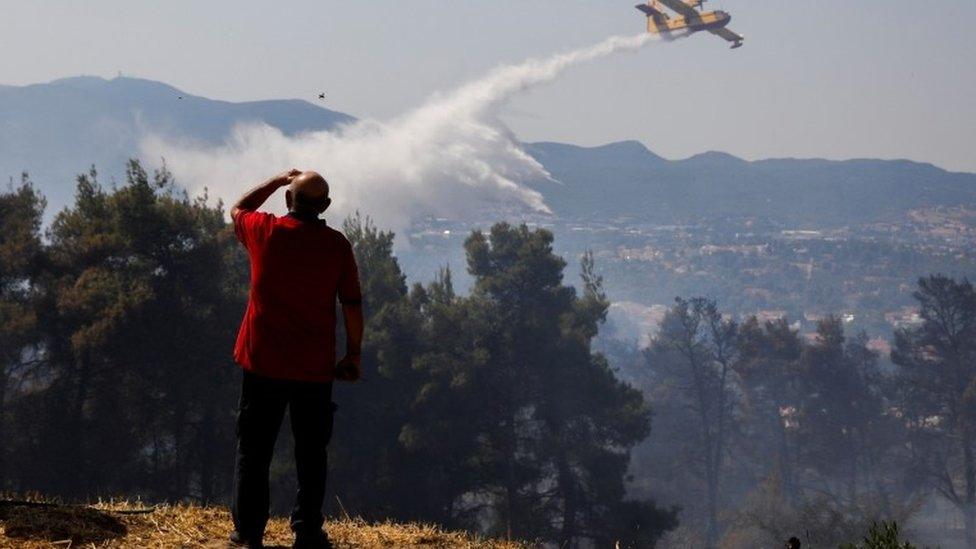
254,198
351,297
352,314
349,368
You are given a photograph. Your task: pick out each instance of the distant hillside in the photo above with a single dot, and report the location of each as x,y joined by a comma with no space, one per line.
626,179
124,525
58,129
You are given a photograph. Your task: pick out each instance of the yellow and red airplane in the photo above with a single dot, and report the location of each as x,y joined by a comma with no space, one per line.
690,19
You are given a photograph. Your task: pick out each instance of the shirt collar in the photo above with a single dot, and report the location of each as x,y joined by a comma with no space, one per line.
306,218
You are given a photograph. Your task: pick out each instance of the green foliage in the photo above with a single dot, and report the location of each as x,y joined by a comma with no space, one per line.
740,401
882,535
695,354
132,392
367,469
769,516
21,258
497,409
934,392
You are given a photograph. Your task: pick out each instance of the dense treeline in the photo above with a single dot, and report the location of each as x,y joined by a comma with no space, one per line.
114,336
762,432
488,411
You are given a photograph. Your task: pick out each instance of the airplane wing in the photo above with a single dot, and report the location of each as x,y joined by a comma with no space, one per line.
680,7
728,35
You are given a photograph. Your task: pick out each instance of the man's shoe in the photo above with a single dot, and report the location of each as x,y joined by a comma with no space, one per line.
238,539
315,539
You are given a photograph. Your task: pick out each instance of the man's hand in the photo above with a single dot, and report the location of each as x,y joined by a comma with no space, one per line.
348,369
284,178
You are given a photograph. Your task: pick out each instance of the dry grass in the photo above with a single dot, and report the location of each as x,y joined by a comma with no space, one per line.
128,525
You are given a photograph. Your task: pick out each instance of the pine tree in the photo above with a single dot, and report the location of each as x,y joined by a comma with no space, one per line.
366,470
937,391
138,302
695,353
21,256
558,426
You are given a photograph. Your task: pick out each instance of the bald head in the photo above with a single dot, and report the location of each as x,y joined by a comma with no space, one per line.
308,193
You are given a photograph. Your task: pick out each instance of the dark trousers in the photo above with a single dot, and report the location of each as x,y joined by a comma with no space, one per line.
262,407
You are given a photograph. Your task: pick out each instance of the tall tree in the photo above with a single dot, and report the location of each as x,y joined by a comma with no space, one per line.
937,388
841,420
696,351
442,425
517,285
21,254
366,467
559,425
769,370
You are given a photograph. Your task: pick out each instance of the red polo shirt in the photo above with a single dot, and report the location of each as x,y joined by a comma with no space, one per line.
298,269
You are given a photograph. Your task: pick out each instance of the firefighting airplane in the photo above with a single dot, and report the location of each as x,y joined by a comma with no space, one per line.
690,19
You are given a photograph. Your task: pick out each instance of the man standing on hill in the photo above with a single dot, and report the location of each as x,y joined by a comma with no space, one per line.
286,347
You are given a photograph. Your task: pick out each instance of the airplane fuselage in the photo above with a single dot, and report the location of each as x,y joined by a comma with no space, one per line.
703,21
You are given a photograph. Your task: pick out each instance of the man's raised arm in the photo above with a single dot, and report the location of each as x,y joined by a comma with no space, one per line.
254,198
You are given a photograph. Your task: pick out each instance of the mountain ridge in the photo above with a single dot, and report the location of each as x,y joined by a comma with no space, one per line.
55,130
712,184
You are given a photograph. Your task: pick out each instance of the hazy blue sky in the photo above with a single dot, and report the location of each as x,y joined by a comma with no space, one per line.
831,78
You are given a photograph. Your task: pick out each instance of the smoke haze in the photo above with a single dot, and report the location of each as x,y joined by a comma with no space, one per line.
450,156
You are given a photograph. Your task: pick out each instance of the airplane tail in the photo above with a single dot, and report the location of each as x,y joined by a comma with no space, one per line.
657,18
651,10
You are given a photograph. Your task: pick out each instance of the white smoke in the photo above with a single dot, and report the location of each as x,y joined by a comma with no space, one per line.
447,157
